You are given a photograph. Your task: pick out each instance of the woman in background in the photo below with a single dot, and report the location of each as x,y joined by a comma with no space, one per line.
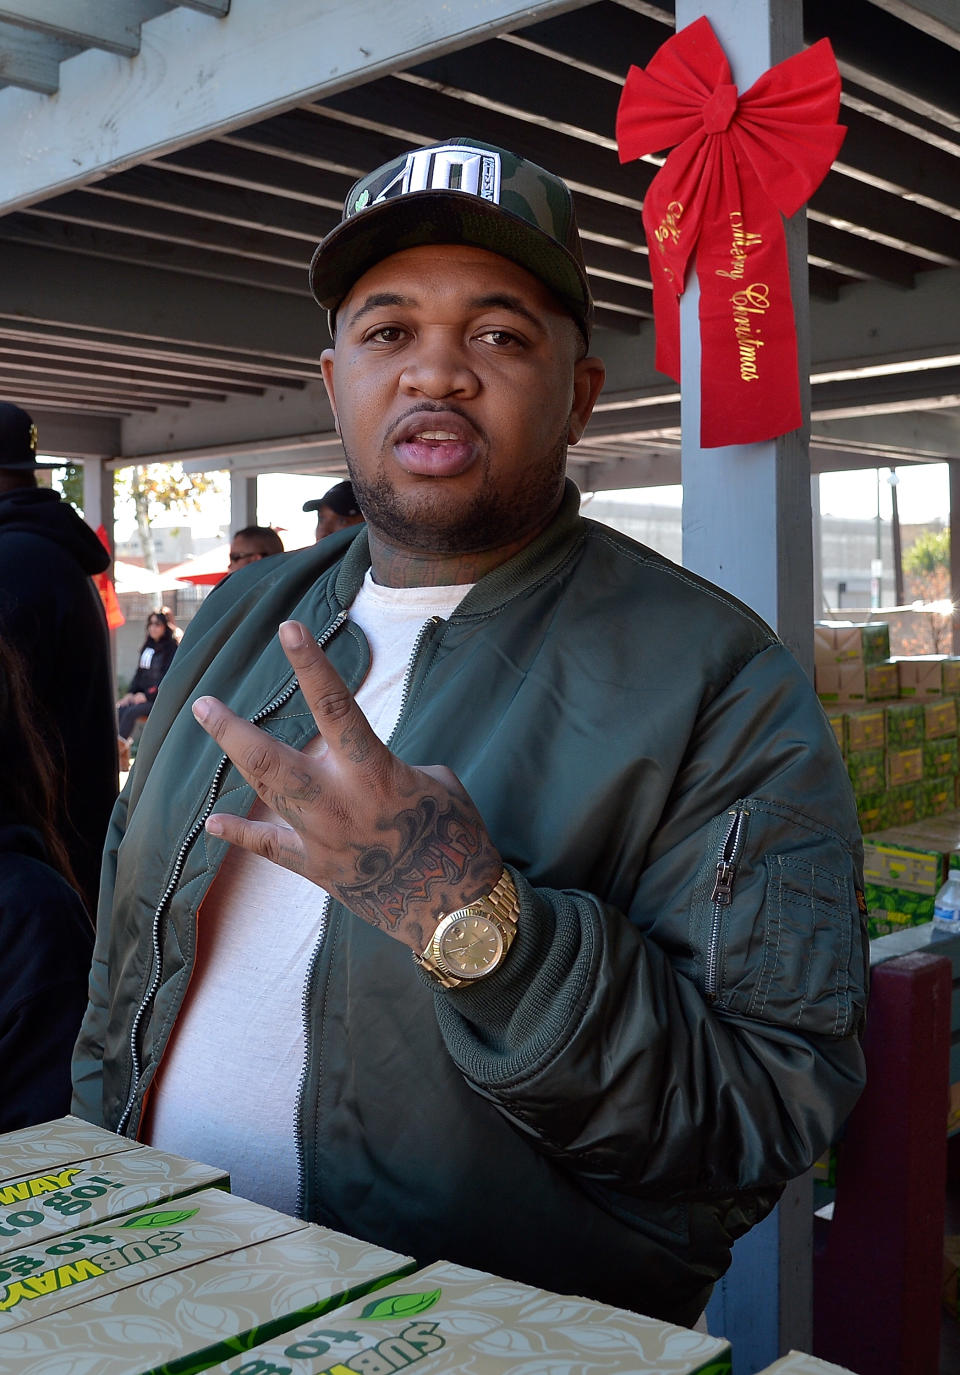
156,653
46,938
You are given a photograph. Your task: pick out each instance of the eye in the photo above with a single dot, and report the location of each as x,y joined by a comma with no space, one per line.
384,334
500,338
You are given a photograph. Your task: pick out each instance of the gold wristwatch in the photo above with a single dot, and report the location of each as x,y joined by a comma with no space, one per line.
471,942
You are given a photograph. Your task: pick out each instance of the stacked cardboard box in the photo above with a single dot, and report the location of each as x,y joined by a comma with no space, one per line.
450,1320
66,1174
798,1363
852,662
172,1289
902,753
903,868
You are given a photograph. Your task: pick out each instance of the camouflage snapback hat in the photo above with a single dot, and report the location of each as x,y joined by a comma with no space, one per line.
461,191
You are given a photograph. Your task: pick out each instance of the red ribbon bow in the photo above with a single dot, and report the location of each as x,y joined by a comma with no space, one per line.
739,164
104,585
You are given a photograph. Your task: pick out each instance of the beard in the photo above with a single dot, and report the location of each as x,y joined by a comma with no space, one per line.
423,518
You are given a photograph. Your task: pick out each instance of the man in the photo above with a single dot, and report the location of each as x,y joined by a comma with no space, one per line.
51,612
336,510
253,542
588,983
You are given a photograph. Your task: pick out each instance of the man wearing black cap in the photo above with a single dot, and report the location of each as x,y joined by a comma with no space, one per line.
52,613
336,510
528,862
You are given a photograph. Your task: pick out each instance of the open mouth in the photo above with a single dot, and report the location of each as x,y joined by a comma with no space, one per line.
432,445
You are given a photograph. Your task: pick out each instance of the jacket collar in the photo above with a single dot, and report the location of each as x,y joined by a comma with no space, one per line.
535,561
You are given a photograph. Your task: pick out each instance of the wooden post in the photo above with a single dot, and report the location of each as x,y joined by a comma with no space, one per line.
243,502
953,468
878,1274
747,527
99,509
746,509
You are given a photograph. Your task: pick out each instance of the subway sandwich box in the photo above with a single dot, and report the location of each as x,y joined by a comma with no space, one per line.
798,1363
456,1321
175,1289
66,1174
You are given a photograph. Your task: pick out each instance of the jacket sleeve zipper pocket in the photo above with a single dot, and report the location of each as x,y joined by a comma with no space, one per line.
722,894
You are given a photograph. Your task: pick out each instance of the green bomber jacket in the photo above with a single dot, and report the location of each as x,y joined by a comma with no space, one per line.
676,1032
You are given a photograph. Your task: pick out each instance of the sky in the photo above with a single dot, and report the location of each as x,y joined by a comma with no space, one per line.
922,493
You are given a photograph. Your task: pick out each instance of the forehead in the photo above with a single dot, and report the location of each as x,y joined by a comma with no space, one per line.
459,274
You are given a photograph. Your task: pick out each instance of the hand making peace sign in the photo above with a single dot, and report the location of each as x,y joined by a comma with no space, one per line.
396,844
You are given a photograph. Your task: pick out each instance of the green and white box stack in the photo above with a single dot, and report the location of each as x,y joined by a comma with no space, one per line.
450,1320
175,1289
66,1174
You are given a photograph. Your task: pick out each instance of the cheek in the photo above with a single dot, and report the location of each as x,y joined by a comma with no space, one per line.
362,397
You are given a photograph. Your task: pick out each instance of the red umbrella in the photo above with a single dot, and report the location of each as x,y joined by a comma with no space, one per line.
202,569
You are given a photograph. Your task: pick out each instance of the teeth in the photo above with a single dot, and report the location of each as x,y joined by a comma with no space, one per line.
436,434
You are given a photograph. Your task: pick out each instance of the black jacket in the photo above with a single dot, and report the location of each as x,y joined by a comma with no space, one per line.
148,680
51,612
626,1096
47,940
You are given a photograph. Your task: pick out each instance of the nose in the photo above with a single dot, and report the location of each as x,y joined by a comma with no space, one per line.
437,365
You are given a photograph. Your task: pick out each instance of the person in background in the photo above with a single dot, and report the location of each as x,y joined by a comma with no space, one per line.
51,612
251,543
156,656
45,933
171,622
336,510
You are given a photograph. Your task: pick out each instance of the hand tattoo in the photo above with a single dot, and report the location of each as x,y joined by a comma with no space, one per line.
436,848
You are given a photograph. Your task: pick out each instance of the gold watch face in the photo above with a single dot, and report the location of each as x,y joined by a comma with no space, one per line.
470,946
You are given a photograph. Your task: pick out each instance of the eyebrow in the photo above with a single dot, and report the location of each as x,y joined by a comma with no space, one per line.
503,301
377,301
493,301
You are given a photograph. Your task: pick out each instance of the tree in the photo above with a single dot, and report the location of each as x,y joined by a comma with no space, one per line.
927,563
157,487
71,485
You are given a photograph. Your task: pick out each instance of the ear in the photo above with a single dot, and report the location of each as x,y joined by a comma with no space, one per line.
588,379
326,371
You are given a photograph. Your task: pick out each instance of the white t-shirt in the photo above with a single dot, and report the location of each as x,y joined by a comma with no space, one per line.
227,1090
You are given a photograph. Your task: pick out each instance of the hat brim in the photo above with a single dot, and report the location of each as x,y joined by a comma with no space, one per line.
440,217
28,465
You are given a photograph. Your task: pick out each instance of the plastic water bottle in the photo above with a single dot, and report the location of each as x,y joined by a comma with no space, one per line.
946,905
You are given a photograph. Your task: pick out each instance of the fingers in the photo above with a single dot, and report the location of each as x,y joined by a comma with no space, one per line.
341,722
280,844
274,769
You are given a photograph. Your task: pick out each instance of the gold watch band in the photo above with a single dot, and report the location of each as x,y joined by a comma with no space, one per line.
501,905
503,899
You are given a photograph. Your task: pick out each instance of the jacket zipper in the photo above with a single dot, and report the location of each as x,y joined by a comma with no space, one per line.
314,958
280,700
722,895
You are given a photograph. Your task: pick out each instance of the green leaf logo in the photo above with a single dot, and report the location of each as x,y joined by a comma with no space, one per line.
160,1219
401,1305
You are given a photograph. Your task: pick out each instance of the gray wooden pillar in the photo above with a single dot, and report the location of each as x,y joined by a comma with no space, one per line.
747,527
98,509
98,506
746,508
243,502
953,468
